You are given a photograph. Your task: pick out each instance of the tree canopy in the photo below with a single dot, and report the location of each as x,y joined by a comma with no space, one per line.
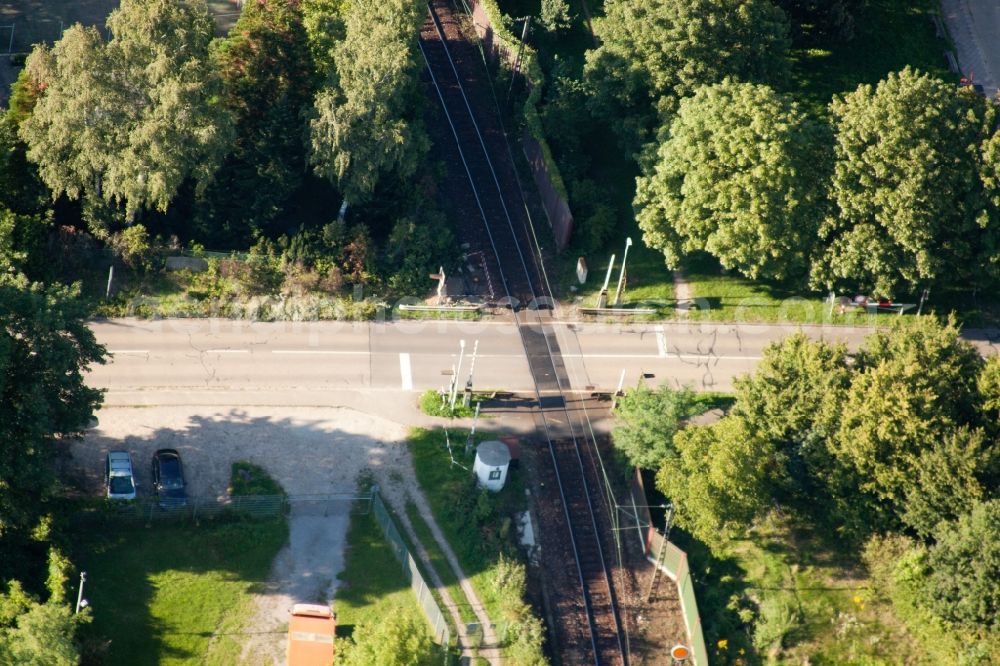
964,579
647,420
897,436
736,177
722,478
912,207
129,120
267,75
364,127
654,53
393,639
908,423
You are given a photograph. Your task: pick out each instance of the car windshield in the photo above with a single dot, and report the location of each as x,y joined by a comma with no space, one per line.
170,474
121,485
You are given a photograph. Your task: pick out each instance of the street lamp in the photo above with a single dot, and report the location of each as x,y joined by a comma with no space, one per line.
621,275
80,601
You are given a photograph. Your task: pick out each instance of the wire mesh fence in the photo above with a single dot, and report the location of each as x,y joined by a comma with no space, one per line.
428,605
195,509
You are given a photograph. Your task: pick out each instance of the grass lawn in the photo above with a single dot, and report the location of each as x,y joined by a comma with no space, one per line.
809,601
889,35
372,584
441,483
440,563
160,595
648,284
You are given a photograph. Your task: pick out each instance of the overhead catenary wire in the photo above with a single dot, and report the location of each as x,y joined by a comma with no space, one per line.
520,320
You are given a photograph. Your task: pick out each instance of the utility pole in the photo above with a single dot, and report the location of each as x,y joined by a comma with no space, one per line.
621,275
454,381
667,520
602,298
467,398
520,53
472,433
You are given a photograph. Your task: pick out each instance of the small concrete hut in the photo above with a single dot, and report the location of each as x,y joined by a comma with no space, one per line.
492,463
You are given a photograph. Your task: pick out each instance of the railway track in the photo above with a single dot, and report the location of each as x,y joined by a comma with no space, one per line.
592,628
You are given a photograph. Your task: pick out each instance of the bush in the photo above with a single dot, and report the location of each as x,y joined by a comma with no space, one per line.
432,404
250,479
964,579
133,247
778,617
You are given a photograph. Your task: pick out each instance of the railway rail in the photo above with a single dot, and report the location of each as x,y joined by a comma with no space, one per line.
601,636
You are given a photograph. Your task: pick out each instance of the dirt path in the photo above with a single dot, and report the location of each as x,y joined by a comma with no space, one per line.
682,292
398,492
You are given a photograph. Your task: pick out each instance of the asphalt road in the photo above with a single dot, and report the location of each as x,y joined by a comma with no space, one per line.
199,361
974,25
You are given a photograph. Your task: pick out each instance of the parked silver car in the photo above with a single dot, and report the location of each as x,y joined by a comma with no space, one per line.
119,478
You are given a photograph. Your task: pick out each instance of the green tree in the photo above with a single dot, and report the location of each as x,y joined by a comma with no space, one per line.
133,246
654,53
324,24
267,74
722,477
948,478
395,639
43,635
953,364
793,400
988,388
646,421
736,177
129,120
554,15
365,126
963,585
20,188
911,205
909,402
45,347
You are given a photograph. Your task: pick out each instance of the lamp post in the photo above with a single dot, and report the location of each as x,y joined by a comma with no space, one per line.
621,275
80,601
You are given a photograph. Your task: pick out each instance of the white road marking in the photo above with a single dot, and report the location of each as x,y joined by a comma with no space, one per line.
405,372
320,351
227,351
661,341
667,356
128,351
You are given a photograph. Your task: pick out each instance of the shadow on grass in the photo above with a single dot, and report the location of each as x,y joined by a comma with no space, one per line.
162,592
889,35
167,588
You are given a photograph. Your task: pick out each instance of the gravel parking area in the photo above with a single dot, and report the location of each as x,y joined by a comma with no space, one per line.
307,450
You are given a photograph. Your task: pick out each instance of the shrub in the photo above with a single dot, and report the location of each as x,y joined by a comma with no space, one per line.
778,617
250,479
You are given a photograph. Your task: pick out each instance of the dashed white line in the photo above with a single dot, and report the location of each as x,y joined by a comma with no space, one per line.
227,351
320,351
405,372
128,351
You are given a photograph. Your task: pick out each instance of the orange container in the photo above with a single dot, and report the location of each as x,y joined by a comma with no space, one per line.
310,635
